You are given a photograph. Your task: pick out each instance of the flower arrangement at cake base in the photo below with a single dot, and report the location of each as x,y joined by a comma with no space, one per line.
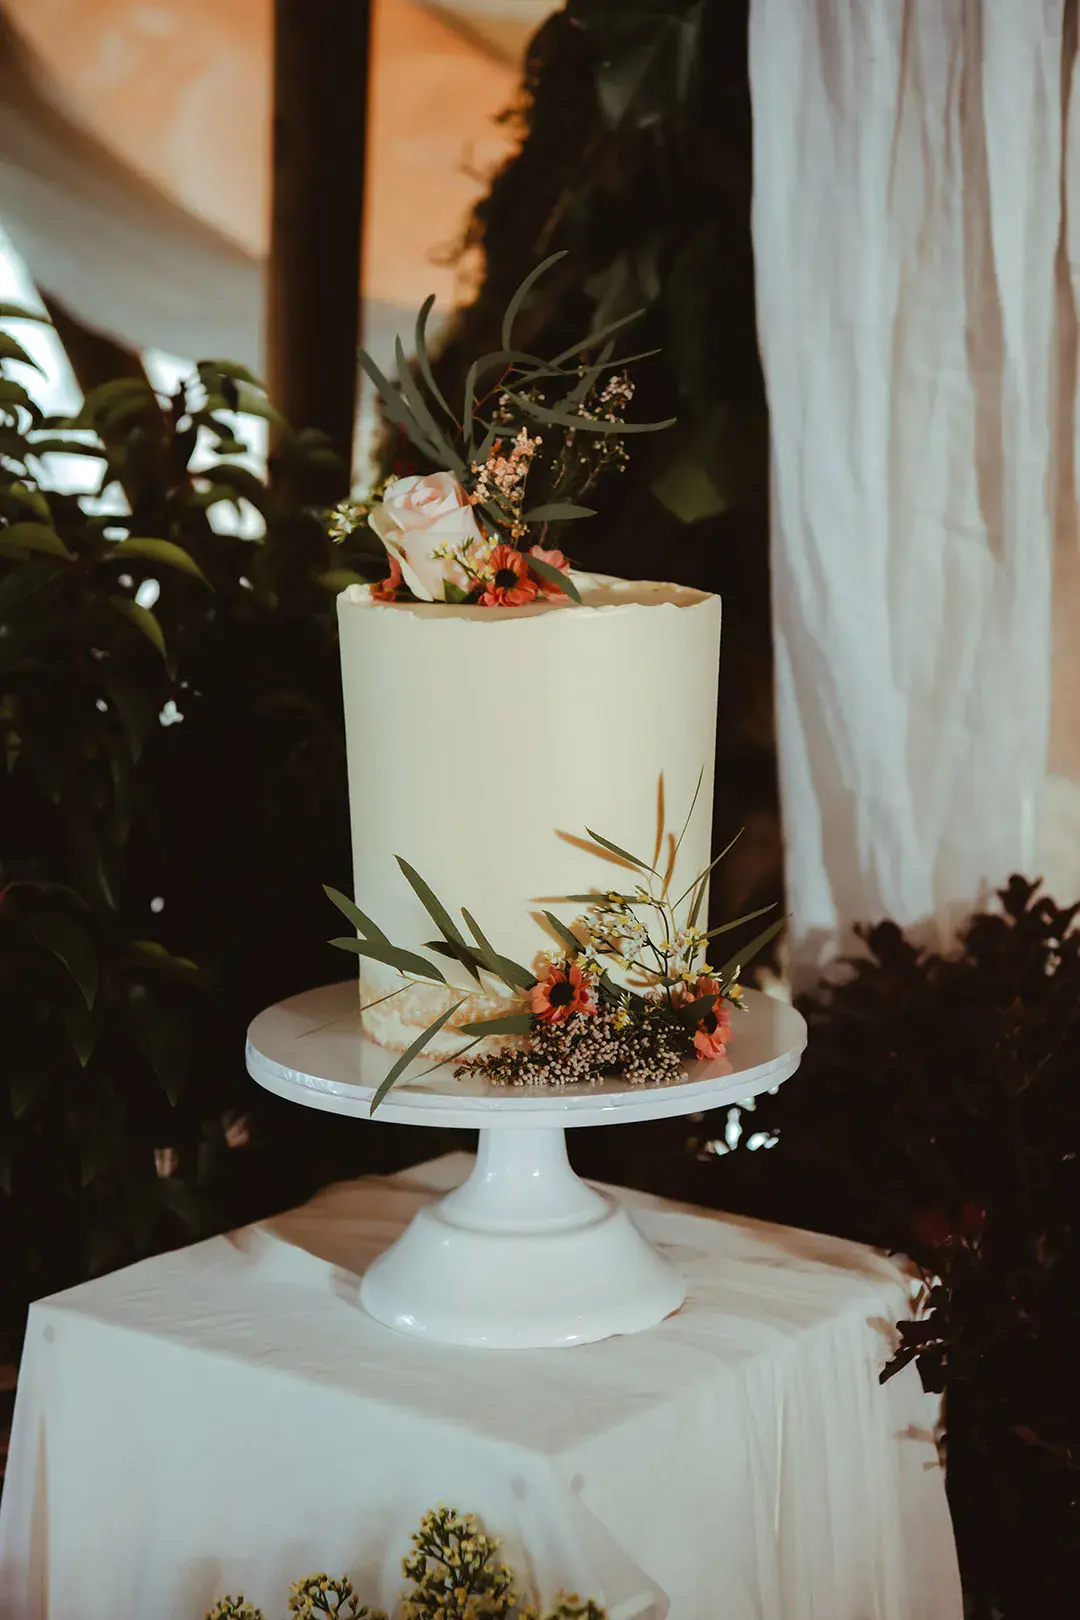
627,992
453,1574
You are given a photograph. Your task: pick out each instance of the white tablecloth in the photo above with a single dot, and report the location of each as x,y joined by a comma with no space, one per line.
227,1417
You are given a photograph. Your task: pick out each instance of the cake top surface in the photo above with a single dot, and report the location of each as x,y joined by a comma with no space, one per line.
599,593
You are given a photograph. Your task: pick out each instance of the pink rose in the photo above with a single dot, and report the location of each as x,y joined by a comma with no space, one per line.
419,515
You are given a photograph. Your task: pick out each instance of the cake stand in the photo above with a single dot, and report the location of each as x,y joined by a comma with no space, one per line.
524,1253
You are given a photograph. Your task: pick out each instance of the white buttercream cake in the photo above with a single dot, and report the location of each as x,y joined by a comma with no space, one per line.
482,742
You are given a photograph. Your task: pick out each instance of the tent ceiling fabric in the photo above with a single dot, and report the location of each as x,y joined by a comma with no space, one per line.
134,146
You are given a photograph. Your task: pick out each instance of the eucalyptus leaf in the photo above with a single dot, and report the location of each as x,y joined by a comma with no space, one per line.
418,405
487,362
739,959
450,1057
601,335
423,359
590,376
389,996
689,814
584,424
596,895
510,1024
699,882
351,911
512,974
725,928
513,308
396,408
464,954
693,1012
412,1052
623,854
382,951
558,512
554,576
568,937
432,905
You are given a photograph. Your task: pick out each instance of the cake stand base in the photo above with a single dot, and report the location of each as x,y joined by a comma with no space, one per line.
524,1255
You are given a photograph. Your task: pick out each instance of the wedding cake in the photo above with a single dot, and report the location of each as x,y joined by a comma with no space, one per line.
530,748
481,741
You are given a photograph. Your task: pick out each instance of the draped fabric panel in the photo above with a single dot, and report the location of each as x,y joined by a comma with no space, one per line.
134,158
914,323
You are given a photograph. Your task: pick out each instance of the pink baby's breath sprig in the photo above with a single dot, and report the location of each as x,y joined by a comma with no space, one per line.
501,478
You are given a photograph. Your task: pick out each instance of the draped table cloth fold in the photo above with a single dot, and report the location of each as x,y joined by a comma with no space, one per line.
227,1417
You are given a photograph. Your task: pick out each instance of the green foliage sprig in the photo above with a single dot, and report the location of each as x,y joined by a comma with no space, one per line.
669,975
530,439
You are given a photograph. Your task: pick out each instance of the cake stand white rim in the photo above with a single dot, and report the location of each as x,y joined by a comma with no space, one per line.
306,1064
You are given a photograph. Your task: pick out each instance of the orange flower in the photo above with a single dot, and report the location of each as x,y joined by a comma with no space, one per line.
556,560
563,991
509,583
712,1033
386,590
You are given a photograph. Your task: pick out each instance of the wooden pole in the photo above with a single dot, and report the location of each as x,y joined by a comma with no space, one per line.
321,68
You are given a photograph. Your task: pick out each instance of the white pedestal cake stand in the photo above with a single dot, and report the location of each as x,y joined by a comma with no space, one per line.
524,1254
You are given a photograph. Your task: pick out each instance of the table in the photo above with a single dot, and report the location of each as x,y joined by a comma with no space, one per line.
226,1416
524,1255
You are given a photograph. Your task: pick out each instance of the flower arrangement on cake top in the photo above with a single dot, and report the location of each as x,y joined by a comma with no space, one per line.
570,1019
531,438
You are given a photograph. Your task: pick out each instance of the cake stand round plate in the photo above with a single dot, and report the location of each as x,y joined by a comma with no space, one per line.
524,1253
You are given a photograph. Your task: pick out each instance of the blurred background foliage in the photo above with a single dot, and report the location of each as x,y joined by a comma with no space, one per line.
173,795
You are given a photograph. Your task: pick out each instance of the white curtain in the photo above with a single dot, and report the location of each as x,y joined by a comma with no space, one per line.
917,332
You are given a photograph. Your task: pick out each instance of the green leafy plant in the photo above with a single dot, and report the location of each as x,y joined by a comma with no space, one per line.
937,1113
453,1574
148,663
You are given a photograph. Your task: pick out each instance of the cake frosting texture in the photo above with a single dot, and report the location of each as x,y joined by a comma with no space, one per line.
483,741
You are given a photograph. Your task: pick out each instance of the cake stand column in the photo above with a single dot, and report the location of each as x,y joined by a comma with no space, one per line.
523,1254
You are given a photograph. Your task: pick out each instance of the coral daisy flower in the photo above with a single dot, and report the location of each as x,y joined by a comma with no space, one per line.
563,991
556,560
386,590
712,1034
509,583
